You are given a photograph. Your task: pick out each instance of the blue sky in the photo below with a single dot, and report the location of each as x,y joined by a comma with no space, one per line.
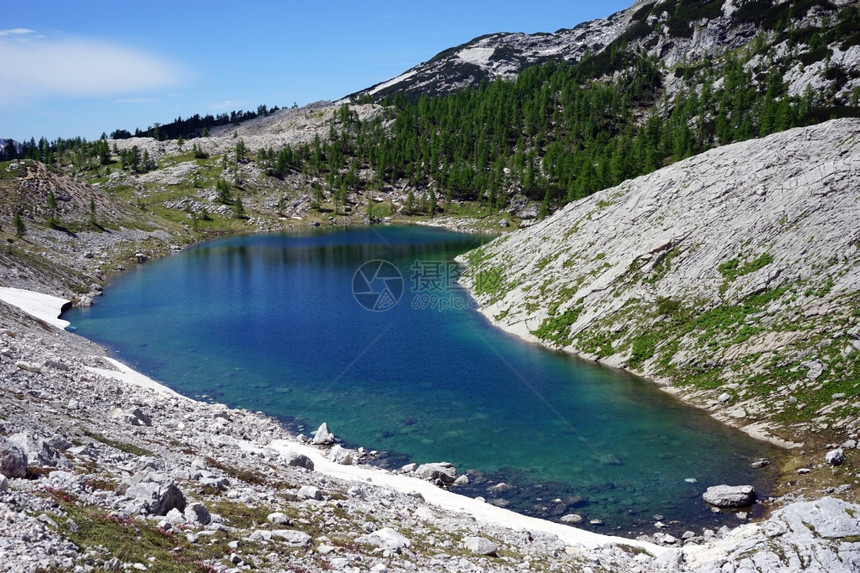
86,67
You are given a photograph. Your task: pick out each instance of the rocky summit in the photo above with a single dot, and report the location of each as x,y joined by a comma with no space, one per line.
733,277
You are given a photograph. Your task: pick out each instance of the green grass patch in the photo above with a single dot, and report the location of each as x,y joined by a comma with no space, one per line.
134,541
733,268
557,328
121,446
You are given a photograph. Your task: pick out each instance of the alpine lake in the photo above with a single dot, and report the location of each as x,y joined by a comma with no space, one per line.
366,329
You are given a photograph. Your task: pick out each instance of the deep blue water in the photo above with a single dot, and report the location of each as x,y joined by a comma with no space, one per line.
272,322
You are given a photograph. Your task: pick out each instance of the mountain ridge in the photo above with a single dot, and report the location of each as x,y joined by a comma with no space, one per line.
678,32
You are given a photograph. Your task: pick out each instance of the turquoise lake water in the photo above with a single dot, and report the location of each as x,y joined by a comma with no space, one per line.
280,323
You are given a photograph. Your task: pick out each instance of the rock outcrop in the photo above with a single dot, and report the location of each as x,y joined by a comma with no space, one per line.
734,275
723,496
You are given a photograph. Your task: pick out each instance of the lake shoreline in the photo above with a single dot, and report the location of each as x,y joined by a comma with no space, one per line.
43,351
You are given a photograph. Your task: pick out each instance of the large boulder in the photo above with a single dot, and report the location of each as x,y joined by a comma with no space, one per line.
323,436
385,538
13,460
480,546
442,471
198,513
723,496
343,456
835,457
157,499
298,460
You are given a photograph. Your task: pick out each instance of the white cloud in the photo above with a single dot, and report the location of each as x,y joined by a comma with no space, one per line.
16,32
79,68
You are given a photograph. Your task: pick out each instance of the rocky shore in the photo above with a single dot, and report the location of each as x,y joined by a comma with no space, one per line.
105,469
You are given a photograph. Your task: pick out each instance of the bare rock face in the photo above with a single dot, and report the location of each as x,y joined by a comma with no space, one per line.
758,237
13,460
730,496
804,536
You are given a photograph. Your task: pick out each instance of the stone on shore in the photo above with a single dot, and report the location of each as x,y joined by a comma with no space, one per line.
443,472
724,496
343,456
297,460
323,436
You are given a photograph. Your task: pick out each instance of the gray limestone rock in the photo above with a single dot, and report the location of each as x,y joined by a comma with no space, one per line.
323,436
13,460
730,496
278,518
310,492
571,518
835,457
197,513
293,538
480,546
343,456
298,460
385,538
442,471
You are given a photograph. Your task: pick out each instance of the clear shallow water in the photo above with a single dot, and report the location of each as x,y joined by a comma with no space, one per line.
270,322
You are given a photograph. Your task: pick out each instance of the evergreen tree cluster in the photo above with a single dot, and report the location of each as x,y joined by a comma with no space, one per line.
194,126
557,133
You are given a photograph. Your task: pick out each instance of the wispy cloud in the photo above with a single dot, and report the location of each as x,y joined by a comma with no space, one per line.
34,67
17,32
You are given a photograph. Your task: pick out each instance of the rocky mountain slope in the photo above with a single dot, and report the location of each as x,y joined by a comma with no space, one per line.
733,276
680,33
72,235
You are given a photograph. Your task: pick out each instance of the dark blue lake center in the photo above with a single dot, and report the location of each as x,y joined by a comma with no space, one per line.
274,323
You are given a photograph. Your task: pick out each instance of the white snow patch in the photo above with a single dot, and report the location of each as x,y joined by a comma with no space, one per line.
477,56
42,306
134,378
391,82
